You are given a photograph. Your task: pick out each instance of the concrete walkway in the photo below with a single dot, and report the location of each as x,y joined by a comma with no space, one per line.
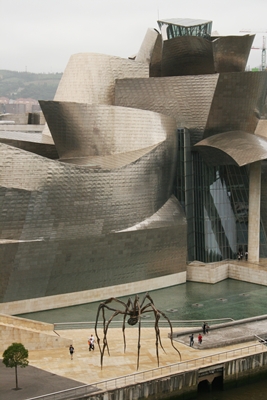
54,370
227,334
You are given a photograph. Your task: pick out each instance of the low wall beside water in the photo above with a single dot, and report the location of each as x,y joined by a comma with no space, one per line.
184,385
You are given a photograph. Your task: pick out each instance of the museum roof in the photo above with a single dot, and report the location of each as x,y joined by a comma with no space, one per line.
186,22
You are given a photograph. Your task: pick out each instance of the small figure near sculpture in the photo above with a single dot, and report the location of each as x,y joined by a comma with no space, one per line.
71,350
199,338
191,340
91,342
205,328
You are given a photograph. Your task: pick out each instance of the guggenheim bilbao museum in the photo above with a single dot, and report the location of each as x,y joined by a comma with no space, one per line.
145,165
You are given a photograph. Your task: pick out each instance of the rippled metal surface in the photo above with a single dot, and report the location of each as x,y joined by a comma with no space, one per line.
90,78
147,47
231,53
187,55
156,56
185,98
82,130
32,142
237,102
237,148
191,55
208,104
81,225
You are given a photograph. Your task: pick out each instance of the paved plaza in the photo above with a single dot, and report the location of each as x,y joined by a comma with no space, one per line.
53,370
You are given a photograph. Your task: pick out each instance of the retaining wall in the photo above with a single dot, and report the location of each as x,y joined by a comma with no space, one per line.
184,385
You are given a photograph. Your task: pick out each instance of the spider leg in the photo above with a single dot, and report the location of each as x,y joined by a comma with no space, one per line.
156,326
129,303
144,299
105,340
170,325
137,305
101,308
158,340
157,314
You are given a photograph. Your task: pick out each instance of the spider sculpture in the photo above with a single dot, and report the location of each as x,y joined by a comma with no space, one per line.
133,310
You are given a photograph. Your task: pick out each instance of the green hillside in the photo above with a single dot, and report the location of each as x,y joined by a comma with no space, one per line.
15,85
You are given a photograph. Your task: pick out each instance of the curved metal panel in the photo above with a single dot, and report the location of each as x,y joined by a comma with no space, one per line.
187,55
156,56
146,50
58,235
34,143
65,200
112,161
171,213
90,78
31,269
231,53
236,147
237,102
186,98
95,82
82,130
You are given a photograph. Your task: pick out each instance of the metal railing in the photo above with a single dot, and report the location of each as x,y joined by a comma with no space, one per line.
143,376
145,323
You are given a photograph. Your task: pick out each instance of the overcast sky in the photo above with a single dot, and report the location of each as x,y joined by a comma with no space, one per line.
41,35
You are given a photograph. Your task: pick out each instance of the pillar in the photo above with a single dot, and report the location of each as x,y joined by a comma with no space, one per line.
254,212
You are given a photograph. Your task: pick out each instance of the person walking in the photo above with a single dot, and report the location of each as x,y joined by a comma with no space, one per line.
204,328
199,338
71,350
92,343
191,340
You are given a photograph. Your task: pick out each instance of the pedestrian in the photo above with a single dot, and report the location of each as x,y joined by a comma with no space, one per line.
246,256
191,340
91,343
204,328
199,338
71,350
207,328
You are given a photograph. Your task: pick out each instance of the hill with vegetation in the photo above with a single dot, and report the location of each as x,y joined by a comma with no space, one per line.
16,85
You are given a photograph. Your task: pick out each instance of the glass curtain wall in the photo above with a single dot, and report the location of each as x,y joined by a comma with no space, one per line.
215,199
203,30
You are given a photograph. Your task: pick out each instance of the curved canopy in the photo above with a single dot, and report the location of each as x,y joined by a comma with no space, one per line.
232,148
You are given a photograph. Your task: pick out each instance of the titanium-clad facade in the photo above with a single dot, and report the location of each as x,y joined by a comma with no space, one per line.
103,214
143,175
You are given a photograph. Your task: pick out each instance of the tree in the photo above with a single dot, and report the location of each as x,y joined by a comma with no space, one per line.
15,355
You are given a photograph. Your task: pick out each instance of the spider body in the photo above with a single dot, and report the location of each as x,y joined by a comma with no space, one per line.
133,310
132,320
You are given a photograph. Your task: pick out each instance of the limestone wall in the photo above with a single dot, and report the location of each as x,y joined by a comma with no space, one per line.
216,272
33,335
